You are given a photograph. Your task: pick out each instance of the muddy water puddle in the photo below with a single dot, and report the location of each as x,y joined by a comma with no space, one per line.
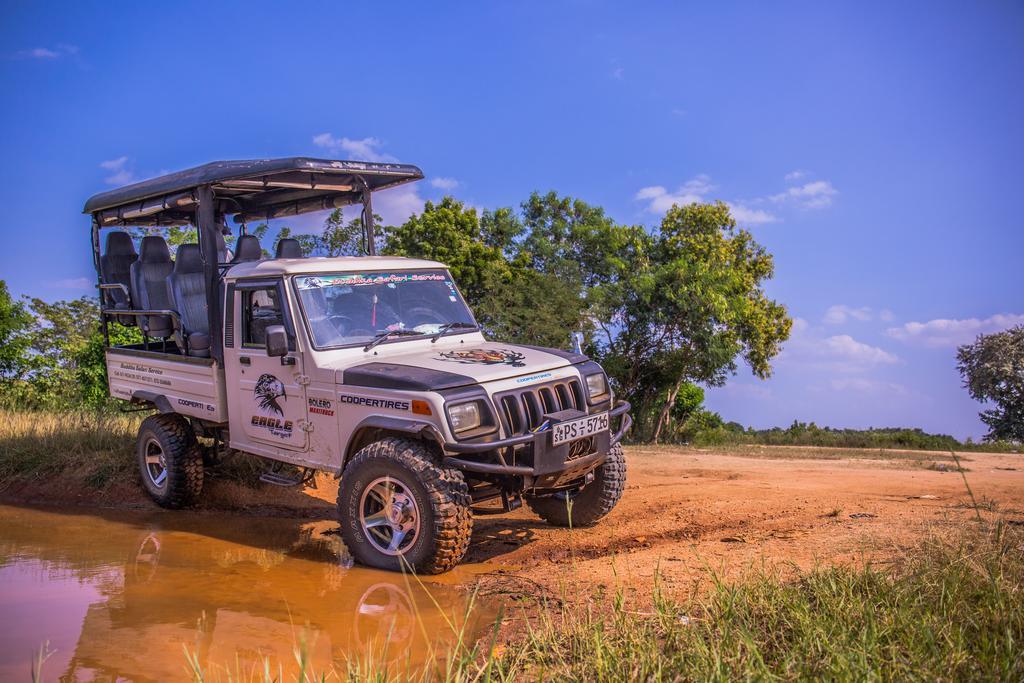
123,596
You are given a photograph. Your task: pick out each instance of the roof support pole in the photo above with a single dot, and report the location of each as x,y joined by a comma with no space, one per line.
371,240
206,225
95,234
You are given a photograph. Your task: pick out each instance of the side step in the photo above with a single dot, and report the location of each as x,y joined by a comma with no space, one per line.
306,477
509,502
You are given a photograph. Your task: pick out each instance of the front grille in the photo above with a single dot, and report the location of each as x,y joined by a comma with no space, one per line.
523,410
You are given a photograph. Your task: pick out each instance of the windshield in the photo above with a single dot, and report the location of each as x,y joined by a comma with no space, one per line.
356,308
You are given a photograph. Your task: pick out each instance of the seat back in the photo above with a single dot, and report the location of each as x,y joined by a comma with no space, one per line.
288,247
247,249
149,285
115,268
186,287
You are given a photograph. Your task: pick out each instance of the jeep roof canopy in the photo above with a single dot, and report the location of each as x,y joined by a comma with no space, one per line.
255,189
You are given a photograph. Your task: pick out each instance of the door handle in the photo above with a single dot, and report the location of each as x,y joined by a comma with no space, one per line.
245,360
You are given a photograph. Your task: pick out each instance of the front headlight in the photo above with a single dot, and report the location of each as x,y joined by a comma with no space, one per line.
465,416
597,385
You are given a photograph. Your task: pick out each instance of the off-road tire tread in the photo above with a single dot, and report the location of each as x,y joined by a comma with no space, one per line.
591,504
183,456
448,492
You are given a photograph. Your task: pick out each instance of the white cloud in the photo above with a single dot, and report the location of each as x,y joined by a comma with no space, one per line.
443,183
659,200
885,315
794,176
942,332
809,347
748,216
364,149
46,53
394,206
75,283
845,347
678,111
817,194
618,73
841,313
120,174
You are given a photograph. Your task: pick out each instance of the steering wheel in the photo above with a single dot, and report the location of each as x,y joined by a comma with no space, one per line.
422,315
346,326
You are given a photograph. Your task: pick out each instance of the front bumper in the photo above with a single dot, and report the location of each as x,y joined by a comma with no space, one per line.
547,466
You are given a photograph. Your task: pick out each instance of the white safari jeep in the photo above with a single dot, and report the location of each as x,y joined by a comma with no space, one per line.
372,368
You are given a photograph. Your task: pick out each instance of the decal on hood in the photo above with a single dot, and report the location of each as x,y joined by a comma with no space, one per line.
485,357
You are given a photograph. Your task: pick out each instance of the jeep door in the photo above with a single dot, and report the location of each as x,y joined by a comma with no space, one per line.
269,405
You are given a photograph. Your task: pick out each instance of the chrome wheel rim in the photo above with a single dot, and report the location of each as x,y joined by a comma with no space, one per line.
156,463
389,516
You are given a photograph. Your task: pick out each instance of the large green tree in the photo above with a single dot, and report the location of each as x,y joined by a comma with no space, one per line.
692,304
993,370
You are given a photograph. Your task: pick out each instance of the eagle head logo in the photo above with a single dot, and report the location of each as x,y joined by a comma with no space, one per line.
267,392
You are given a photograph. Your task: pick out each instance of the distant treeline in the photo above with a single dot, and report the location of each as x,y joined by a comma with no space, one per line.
810,434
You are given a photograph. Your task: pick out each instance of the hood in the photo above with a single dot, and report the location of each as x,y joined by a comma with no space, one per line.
455,365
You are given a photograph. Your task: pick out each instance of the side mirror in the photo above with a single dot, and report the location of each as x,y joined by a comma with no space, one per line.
276,341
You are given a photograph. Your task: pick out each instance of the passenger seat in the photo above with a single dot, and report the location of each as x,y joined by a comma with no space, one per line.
149,285
288,247
186,287
115,269
247,249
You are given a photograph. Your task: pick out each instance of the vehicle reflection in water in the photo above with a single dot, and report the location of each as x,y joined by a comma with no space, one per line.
120,596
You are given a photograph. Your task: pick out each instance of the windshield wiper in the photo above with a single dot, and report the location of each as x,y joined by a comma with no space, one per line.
383,336
449,326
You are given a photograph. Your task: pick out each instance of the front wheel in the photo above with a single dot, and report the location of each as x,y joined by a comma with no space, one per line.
400,510
170,460
588,506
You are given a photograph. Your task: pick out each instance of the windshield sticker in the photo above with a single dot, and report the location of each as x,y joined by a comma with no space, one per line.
362,279
485,357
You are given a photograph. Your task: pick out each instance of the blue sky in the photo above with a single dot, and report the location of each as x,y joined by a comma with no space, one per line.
875,148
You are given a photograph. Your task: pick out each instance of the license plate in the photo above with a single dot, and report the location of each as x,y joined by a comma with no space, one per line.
564,432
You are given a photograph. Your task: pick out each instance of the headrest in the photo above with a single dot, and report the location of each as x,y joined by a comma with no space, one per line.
247,249
119,244
188,259
154,250
288,247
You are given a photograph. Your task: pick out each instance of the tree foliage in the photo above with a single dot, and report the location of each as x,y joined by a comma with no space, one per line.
692,303
53,352
993,371
14,339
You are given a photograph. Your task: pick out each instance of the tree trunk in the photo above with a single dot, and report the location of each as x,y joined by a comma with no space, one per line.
663,415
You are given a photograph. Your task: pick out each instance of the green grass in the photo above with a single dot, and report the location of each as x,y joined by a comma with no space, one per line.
948,611
94,446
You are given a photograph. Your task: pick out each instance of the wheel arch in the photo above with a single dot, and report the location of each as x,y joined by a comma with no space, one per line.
377,427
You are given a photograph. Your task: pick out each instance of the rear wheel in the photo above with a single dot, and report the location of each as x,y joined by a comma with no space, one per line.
590,505
170,460
400,510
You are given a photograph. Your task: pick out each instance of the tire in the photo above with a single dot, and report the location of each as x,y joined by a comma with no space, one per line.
170,439
591,504
406,472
